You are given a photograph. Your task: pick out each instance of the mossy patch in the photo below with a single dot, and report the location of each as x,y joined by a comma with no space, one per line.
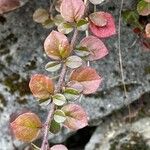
15,83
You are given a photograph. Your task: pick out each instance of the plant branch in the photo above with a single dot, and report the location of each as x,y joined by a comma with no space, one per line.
45,144
120,54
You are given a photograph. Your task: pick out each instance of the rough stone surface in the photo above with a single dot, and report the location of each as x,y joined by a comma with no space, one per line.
22,55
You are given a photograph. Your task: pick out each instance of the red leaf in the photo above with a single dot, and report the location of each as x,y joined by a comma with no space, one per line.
41,86
88,78
59,147
76,117
57,46
26,127
8,5
105,31
72,10
96,47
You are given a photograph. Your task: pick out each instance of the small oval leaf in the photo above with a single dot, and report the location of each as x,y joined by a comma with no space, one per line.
65,28
147,30
72,10
40,15
59,116
26,127
76,117
54,127
98,19
41,86
96,2
59,99
82,25
143,8
8,5
53,66
71,94
106,31
57,46
58,147
58,19
73,62
95,47
88,78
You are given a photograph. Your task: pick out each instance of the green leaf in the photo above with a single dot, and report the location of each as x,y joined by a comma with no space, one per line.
73,62
48,24
82,24
132,17
82,51
59,116
71,94
53,66
65,28
58,19
54,127
59,99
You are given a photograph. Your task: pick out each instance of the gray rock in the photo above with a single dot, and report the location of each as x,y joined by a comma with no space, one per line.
21,50
121,137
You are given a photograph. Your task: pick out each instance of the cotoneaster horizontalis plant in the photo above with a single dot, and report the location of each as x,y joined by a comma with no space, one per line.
71,60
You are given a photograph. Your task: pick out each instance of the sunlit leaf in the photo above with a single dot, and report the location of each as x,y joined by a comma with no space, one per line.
143,8
88,78
57,46
98,19
8,5
106,31
54,127
76,117
72,10
59,99
26,127
59,116
53,66
147,30
40,15
65,28
73,62
58,147
95,2
95,46
41,86
75,85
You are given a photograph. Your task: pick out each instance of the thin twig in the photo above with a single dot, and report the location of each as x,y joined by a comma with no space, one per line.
45,144
120,55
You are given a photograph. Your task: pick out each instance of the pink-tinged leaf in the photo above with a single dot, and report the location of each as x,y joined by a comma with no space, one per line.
41,86
147,30
76,117
58,147
88,77
98,19
26,127
8,5
95,46
57,46
106,31
72,10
